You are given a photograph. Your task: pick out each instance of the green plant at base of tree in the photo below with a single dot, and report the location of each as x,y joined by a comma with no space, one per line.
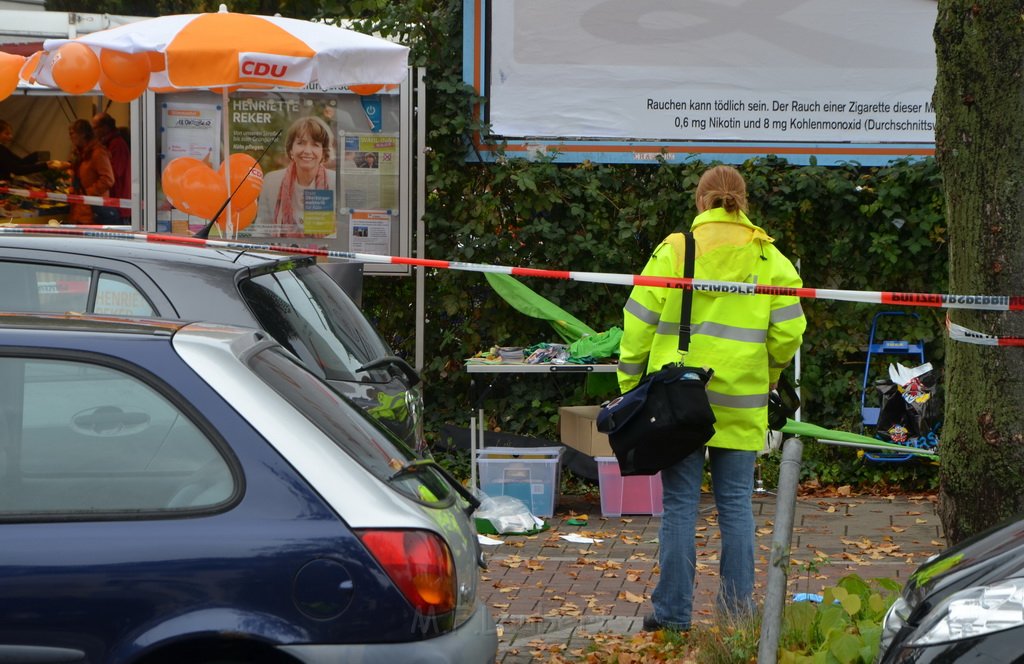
845,627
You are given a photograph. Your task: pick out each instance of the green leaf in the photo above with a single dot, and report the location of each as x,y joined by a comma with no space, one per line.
851,603
831,618
845,648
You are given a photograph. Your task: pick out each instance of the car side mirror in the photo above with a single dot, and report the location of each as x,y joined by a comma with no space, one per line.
411,377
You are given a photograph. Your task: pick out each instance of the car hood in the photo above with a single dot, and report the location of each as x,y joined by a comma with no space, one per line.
991,556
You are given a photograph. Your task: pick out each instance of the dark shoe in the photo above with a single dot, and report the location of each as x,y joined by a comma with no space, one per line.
651,624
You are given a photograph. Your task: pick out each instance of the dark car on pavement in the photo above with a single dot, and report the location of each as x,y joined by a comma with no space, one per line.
191,492
292,297
964,605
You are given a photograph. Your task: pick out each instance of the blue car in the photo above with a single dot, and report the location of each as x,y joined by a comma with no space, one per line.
190,492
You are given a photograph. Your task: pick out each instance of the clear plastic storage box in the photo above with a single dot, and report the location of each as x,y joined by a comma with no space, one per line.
636,494
530,474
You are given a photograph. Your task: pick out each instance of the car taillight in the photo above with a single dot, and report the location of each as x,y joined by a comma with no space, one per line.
419,563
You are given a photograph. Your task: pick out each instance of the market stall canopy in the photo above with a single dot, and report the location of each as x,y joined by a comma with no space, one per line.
216,50
220,51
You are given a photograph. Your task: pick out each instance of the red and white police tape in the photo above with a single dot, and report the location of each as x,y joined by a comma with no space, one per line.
961,333
67,198
936,300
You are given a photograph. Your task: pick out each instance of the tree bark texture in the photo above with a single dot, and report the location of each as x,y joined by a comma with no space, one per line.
979,136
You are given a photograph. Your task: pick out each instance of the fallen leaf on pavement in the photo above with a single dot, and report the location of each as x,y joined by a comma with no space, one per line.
512,561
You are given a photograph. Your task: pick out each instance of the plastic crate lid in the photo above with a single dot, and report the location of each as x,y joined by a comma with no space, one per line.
519,452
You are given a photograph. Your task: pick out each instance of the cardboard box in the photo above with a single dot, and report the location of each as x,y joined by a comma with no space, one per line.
578,426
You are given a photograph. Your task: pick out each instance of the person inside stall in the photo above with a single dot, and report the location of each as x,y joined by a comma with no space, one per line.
92,175
120,160
12,164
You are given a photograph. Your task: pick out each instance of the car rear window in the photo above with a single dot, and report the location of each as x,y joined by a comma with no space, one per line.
372,445
309,314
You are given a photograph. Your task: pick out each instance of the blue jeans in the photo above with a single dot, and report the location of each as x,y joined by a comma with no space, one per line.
732,481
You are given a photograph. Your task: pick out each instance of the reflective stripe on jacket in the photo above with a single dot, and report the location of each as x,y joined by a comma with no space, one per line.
746,339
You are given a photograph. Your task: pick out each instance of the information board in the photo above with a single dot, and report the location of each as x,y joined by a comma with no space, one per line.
626,80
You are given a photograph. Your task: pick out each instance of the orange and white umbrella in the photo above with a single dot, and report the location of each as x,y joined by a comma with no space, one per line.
214,50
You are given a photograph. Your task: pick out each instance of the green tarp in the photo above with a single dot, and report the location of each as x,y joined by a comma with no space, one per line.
525,301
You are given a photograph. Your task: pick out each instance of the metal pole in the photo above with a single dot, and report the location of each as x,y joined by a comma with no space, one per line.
472,455
778,563
420,111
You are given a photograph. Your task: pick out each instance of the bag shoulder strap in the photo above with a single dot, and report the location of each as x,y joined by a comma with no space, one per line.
686,307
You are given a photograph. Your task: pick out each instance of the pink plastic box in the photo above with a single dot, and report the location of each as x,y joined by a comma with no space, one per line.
637,494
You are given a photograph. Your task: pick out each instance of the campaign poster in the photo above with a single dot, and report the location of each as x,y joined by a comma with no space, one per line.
370,167
191,130
294,137
187,130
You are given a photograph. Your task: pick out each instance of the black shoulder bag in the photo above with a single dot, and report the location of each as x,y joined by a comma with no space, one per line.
667,416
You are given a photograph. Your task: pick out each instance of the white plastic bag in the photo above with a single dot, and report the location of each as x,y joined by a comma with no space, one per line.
506,514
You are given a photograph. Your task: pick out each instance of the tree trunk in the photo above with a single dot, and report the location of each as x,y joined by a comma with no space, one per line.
979,139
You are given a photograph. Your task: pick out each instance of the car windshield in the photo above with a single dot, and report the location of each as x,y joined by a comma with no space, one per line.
366,441
309,314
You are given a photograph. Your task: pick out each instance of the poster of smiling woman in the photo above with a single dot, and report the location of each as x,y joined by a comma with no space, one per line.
294,139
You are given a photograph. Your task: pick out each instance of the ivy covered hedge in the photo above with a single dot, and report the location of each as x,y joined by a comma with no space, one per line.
850,227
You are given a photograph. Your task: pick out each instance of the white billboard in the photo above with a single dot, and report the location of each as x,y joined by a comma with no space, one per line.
842,80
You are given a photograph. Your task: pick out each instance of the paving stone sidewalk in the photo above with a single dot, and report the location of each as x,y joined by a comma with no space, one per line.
544,590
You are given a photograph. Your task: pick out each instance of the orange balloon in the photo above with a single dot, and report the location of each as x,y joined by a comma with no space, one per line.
114,90
10,68
28,69
365,89
127,70
204,192
246,179
75,68
170,179
157,61
240,218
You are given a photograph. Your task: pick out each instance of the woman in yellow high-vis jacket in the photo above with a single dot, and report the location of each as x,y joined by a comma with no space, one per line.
747,340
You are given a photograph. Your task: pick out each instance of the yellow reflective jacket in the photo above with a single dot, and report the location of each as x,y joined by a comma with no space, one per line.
746,339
